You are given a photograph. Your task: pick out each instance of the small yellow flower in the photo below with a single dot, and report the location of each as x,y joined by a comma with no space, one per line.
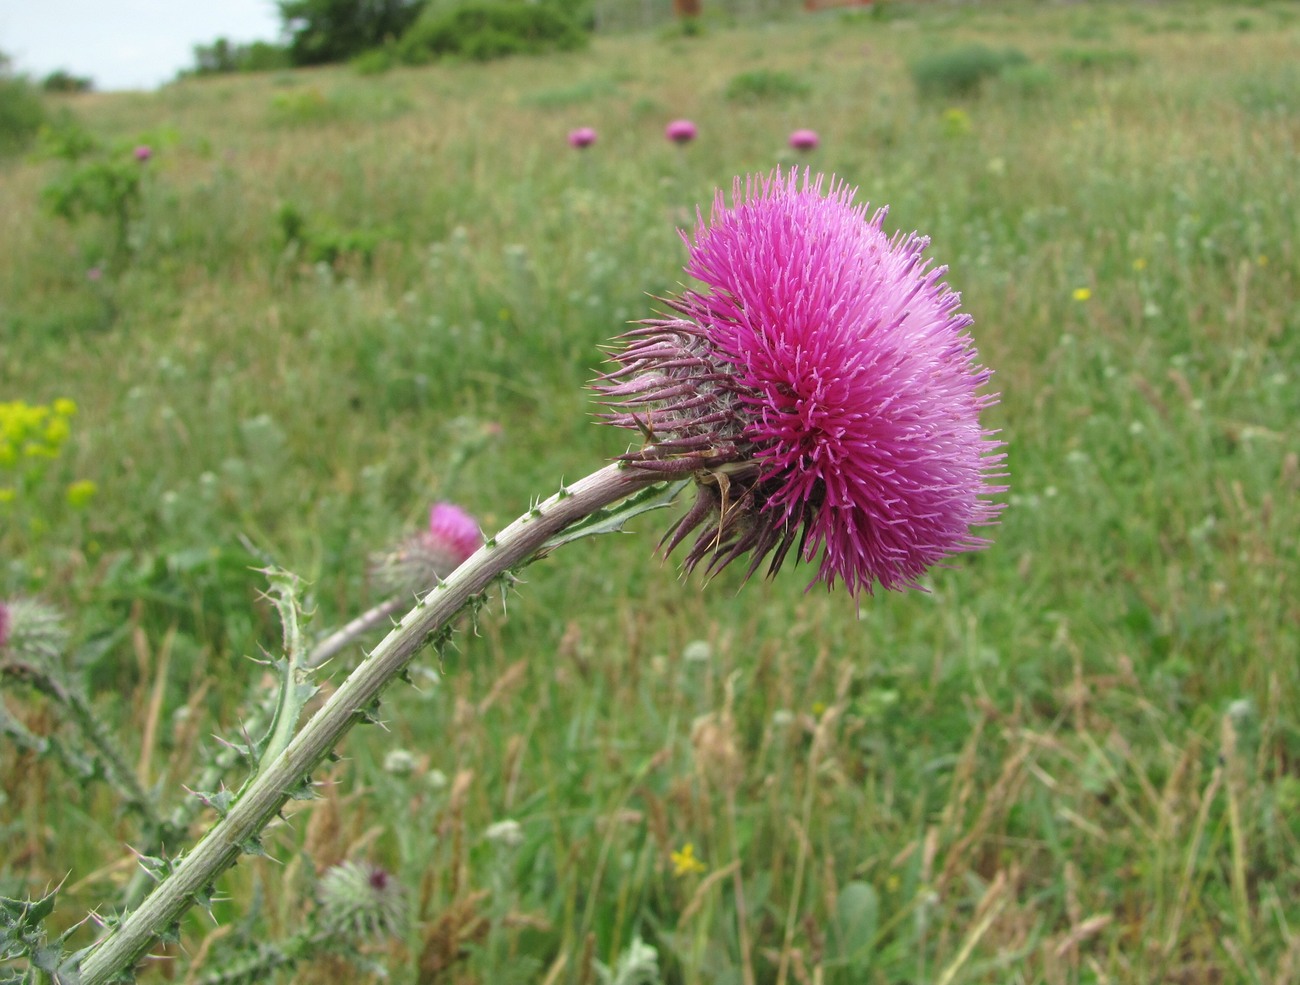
818,708
81,492
1140,264
56,431
1082,294
65,407
685,862
1262,260
8,494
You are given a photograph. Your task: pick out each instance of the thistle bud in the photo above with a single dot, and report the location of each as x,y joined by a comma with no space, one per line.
362,901
31,631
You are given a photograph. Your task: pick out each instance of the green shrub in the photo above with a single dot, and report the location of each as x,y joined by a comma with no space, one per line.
961,71
325,31
21,114
63,82
1097,59
325,243
483,31
97,181
376,61
764,86
224,57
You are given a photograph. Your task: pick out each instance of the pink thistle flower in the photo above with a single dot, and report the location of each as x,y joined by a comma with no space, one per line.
822,389
143,153
423,560
582,137
804,140
453,533
681,131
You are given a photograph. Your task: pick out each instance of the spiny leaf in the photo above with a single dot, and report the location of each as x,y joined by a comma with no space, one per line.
611,519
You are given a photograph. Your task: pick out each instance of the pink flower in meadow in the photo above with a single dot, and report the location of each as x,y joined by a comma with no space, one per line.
452,533
681,131
95,273
423,560
582,137
822,388
4,625
804,139
143,153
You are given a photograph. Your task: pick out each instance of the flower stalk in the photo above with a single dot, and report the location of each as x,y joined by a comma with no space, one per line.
532,535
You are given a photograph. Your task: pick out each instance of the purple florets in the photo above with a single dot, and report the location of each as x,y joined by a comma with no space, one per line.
426,558
453,533
804,140
681,131
821,386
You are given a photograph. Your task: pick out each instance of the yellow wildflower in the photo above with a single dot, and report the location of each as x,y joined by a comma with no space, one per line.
1082,294
685,862
81,492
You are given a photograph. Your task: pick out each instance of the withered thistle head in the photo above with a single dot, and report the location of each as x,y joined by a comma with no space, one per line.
821,386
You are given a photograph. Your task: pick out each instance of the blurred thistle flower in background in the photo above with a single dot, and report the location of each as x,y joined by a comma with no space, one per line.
31,631
822,389
421,561
804,139
582,137
143,153
681,131
362,902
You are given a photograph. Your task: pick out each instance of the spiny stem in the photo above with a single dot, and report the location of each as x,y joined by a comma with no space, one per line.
344,635
262,799
184,812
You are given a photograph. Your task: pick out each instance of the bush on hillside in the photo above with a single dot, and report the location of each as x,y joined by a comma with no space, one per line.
324,31
224,57
21,112
962,71
493,29
65,82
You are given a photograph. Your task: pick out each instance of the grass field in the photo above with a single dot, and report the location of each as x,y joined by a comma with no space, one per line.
1076,758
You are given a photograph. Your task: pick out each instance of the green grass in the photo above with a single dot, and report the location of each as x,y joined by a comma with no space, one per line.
1072,760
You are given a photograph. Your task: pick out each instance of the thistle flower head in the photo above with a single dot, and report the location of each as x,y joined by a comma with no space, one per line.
582,137
804,139
421,561
362,902
822,387
143,152
681,131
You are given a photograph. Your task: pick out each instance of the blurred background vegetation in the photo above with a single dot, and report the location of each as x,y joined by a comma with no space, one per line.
331,294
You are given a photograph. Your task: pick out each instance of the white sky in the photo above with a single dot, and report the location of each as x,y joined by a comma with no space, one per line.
125,44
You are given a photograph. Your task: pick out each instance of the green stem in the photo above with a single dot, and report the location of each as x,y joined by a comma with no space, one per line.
263,798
